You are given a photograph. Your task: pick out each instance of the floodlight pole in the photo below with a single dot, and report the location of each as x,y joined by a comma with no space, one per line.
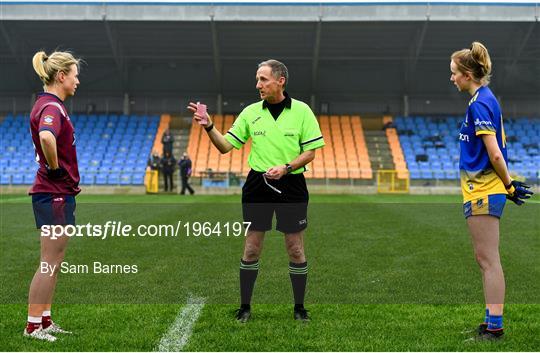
405,105
315,65
118,56
217,66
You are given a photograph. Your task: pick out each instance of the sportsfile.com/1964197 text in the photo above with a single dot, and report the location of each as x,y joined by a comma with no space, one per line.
119,229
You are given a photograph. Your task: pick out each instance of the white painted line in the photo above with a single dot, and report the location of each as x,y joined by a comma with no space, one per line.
180,331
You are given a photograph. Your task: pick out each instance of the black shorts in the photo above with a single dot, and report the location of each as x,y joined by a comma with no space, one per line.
260,201
53,209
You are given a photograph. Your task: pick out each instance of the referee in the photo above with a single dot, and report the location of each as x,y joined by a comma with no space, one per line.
285,135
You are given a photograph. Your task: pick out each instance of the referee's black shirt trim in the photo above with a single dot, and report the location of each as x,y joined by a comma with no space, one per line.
277,109
236,137
310,141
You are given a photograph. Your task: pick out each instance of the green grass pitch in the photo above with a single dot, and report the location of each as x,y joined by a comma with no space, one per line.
387,273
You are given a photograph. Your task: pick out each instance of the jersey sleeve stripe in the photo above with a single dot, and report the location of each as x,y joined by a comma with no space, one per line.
485,132
47,129
310,141
233,135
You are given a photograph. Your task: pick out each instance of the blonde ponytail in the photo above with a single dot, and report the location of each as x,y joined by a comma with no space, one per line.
47,66
38,61
476,61
480,54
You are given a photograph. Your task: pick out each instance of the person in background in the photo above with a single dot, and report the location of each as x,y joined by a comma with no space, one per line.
185,174
154,161
168,165
167,140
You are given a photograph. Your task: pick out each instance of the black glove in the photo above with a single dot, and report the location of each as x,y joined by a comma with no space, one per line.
56,174
518,192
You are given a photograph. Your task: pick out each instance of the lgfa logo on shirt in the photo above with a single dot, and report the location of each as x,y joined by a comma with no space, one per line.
48,120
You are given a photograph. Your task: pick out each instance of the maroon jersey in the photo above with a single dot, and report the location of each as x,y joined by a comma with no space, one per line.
50,114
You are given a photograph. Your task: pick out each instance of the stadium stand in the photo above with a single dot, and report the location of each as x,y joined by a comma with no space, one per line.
397,153
111,149
431,148
207,157
164,123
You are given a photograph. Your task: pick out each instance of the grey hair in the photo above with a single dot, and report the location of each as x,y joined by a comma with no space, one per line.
278,69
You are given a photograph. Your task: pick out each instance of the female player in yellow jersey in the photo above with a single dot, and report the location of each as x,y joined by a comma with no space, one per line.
485,180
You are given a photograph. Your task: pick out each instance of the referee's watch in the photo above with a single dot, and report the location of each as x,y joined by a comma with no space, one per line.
288,167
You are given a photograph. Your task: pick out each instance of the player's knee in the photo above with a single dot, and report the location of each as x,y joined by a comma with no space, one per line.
54,258
296,251
252,252
486,262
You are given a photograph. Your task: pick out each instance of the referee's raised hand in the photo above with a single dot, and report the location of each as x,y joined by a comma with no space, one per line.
198,117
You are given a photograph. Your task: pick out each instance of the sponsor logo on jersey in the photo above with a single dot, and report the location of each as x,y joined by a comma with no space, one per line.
259,133
257,119
479,122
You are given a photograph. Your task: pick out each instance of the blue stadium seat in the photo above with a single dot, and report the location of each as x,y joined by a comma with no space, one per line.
5,179
101,179
125,179
87,179
138,179
113,179
439,174
17,179
426,174
451,174
29,178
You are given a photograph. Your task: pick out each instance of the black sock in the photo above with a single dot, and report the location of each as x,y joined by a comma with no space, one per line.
248,274
298,273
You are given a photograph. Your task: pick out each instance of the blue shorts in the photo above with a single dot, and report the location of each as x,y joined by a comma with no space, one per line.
491,205
53,209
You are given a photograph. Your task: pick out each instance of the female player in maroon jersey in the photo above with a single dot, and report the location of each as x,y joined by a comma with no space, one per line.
56,184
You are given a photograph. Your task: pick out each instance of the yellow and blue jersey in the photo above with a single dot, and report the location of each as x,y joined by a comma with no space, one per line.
484,117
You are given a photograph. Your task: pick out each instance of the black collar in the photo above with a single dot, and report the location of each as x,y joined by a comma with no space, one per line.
286,102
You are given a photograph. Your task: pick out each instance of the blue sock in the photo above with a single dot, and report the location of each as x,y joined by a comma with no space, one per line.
486,318
495,322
